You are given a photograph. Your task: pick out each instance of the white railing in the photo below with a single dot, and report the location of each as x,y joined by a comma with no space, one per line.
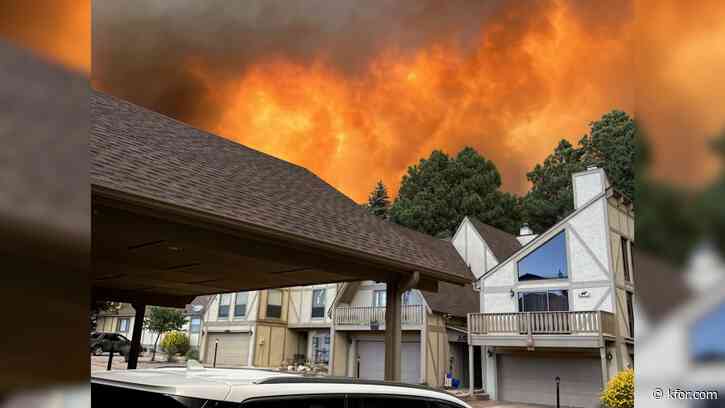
586,322
365,315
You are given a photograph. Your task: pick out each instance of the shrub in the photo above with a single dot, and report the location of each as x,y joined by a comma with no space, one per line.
174,343
192,354
620,390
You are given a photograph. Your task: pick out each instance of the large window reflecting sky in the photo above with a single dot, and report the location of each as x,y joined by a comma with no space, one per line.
706,339
546,262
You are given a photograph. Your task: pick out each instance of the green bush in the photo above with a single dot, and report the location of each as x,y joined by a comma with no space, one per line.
174,343
192,354
620,391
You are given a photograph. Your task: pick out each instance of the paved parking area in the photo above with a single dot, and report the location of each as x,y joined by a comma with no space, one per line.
100,363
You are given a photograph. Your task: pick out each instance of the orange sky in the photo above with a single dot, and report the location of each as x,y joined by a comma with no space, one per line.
57,29
362,100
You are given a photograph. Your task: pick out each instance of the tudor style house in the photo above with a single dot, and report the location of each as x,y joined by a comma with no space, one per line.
268,328
433,325
680,324
559,304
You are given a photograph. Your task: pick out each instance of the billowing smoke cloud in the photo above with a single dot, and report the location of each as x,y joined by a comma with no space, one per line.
358,90
57,29
680,85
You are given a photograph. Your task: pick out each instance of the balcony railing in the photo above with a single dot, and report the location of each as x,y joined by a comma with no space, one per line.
535,323
365,315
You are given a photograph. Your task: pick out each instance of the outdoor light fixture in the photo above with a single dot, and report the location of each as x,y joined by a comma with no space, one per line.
513,293
489,352
609,356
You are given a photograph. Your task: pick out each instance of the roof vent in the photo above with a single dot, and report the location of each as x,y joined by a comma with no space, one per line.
526,235
525,230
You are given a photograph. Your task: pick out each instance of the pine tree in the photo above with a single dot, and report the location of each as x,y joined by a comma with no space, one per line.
379,201
437,193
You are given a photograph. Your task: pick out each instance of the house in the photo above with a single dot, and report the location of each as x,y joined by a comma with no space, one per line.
685,316
120,320
559,304
268,328
433,325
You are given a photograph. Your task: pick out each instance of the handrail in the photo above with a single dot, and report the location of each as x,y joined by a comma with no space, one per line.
365,315
529,323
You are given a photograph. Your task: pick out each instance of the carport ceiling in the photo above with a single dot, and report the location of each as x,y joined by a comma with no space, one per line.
178,212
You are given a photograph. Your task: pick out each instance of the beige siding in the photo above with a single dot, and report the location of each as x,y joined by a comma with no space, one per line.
436,349
271,347
340,354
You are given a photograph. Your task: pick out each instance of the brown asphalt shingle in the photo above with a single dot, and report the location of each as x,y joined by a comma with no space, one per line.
502,244
453,299
144,153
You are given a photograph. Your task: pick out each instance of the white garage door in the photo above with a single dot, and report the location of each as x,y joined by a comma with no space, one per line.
372,361
531,379
233,349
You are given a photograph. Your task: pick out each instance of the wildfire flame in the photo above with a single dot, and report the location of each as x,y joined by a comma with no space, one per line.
513,103
522,84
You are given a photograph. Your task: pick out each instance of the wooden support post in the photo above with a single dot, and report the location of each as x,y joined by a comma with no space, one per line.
135,349
471,374
605,371
393,332
484,362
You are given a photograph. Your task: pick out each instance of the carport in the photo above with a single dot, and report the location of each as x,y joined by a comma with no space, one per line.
178,212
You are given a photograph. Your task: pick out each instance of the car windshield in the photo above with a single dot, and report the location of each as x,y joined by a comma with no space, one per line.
106,396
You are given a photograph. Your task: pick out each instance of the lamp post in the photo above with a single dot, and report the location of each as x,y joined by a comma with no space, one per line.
557,391
216,346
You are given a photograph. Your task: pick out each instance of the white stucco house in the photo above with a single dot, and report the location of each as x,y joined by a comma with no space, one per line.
557,304
685,315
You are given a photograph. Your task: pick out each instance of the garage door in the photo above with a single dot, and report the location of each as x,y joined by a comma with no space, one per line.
531,379
233,349
372,361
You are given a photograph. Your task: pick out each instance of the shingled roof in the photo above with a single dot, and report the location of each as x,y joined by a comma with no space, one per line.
453,299
142,153
502,244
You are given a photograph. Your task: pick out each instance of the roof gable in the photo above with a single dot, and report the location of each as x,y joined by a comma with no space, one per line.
501,243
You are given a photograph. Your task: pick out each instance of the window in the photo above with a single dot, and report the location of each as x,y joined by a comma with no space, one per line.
109,396
123,325
224,301
318,303
379,298
302,401
625,259
544,301
240,304
546,262
630,313
321,349
706,343
407,297
274,303
395,401
195,325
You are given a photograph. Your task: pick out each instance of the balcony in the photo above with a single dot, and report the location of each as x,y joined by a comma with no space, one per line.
547,329
373,318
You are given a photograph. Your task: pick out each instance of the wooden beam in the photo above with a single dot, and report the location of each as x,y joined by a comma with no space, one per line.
133,353
393,332
119,295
